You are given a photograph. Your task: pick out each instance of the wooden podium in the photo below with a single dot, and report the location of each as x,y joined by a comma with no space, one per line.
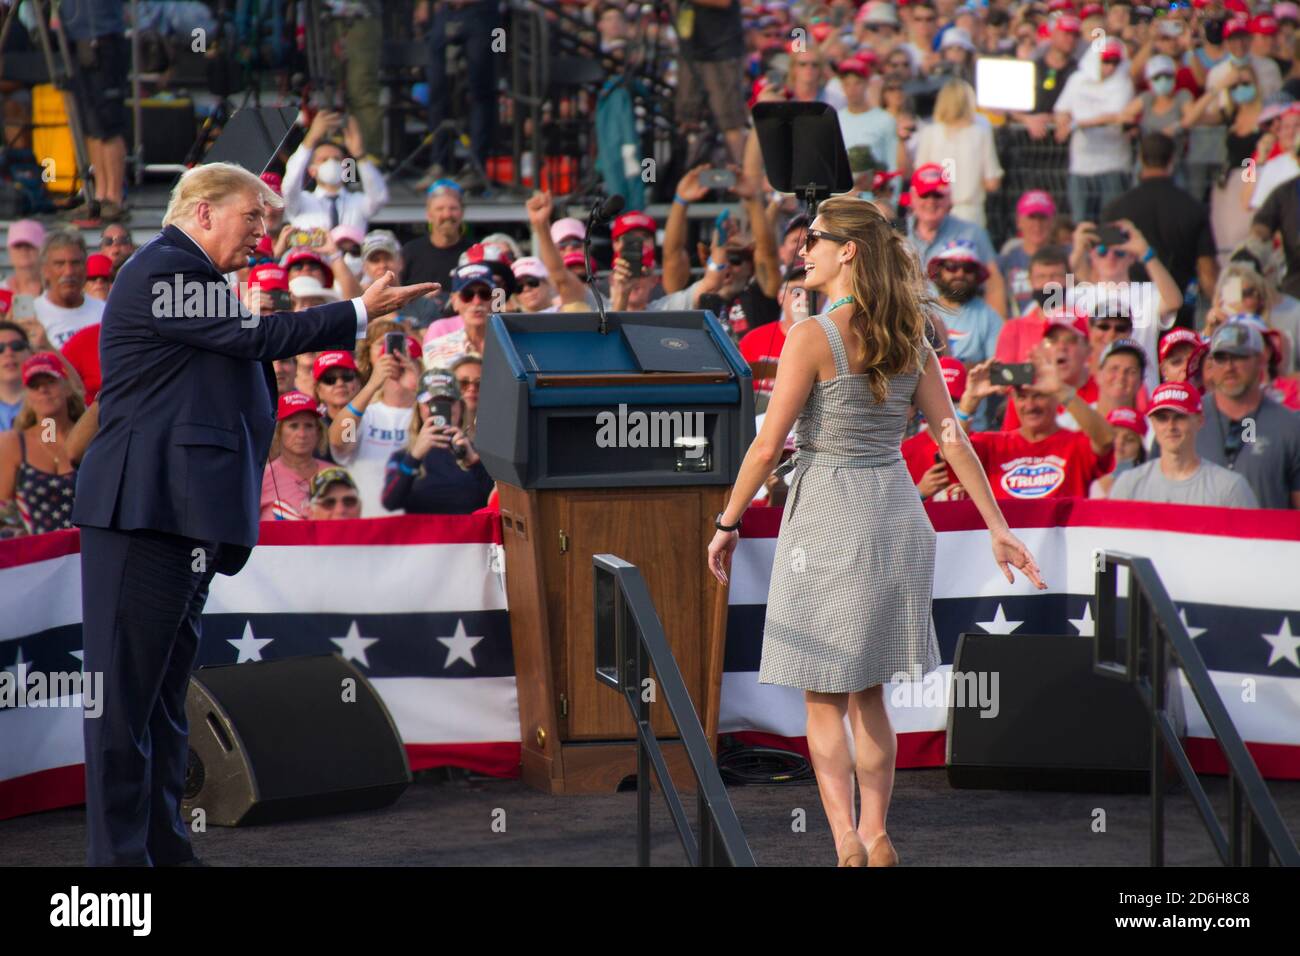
549,381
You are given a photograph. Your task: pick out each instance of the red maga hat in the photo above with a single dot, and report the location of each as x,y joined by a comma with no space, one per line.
293,403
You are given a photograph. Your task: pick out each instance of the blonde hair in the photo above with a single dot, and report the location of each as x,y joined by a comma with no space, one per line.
955,104
26,417
890,297
322,438
1249,276
215,183
374,331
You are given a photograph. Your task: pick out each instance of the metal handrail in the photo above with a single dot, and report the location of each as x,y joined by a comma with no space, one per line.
630,642
1156,647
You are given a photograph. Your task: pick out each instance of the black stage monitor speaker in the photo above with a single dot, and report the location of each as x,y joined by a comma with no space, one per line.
1058,725
253,136
284,739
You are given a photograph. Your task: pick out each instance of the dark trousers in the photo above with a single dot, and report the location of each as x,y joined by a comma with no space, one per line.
471,26
142,593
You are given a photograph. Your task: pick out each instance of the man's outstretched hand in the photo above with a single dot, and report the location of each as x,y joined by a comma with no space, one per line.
383,297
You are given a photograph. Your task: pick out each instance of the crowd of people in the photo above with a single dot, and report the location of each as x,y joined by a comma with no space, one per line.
1137,337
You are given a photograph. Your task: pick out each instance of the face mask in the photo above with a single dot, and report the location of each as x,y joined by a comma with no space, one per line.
1164,85
1243,94
354,264
330,173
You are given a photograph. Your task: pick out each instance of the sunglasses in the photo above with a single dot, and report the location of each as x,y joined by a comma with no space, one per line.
530,283
15,346
334,378
330,503
465,383
813,236
1162,76
968,268
119,241
1113,326
479,292
738,258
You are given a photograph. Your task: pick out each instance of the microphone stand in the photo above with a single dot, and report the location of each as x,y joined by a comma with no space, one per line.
603,327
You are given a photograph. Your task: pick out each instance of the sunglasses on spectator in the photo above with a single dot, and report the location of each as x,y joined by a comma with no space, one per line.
1106,326
1162,76
532,282
333,378
1115,253
1223,358
119,241
465,383
812,236
969,268
739,258
330,503
18,345
482,293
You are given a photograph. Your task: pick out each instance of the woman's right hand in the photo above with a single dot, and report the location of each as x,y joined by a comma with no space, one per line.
386,366
1008,549
428,437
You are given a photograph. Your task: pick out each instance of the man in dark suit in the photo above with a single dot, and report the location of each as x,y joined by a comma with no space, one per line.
167,493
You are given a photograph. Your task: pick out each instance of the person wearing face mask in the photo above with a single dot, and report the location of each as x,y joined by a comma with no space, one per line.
331,204
1236,40
348,241
1160,109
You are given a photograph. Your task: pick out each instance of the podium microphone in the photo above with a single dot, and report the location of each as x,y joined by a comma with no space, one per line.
600,212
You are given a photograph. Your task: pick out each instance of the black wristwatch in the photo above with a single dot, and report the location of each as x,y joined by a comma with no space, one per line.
717,523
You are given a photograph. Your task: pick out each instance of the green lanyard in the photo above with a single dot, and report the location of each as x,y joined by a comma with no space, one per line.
837,303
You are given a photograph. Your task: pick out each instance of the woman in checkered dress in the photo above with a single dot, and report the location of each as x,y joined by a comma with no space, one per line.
849,603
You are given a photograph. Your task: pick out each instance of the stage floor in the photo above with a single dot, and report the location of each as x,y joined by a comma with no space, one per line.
449,822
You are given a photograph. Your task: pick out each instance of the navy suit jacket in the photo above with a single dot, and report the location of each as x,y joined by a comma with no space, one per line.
187,406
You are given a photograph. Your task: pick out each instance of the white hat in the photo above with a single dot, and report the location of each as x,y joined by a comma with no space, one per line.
956,36
309,287
1160,65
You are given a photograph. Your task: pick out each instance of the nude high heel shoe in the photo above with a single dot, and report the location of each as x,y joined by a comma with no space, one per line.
882,852
851,850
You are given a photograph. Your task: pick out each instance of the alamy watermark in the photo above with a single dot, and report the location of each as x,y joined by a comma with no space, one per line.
22,687
978,689
638,429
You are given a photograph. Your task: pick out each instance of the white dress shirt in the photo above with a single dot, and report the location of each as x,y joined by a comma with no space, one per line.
311,210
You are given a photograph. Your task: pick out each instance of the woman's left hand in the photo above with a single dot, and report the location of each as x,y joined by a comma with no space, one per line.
1008,549
451,437
720,550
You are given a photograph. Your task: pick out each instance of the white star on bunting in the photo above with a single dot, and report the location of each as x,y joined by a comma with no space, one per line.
1192,632
460,647
1284,644
15,667
999,624
1085,625
353,647
249,647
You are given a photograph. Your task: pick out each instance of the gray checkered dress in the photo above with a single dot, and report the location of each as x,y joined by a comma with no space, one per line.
852,580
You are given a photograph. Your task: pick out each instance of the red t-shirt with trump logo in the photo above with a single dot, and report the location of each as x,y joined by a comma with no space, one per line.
1062,465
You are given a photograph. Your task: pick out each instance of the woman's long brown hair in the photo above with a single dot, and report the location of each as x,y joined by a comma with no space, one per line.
890,296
